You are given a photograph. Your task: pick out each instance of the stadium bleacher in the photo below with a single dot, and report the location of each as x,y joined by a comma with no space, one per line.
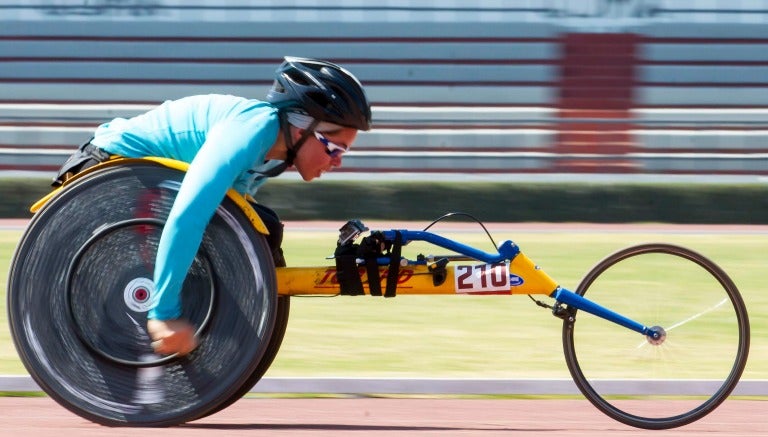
519,88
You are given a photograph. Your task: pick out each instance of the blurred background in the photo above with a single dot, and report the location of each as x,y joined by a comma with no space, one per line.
542,110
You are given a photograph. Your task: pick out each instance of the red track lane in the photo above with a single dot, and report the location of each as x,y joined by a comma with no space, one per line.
371,417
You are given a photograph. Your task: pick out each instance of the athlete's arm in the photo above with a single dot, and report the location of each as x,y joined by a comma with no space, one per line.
230,149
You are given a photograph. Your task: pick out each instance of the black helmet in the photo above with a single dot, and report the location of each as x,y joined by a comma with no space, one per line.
323,90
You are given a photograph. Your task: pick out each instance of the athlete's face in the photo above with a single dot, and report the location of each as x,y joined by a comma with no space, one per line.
323,151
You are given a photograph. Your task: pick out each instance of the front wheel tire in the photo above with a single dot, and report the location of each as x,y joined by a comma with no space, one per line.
658,383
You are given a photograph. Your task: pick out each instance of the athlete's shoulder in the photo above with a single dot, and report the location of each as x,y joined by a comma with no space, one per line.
233,103
251,111
222,108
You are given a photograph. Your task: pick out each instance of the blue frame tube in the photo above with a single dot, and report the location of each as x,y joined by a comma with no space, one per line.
584,304
507,251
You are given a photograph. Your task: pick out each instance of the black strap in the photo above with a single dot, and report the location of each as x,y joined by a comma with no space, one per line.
394,266
270,169
372,269
347,274
369,250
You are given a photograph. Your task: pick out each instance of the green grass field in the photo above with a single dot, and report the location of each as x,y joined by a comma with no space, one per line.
461,336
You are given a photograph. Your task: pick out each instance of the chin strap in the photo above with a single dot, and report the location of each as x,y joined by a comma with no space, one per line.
293,148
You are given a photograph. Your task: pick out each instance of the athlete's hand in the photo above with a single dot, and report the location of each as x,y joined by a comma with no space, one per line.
172,336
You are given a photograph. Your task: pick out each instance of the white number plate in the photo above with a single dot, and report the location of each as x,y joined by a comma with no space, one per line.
482,278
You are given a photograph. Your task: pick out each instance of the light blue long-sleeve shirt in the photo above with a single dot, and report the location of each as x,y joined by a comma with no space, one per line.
225,140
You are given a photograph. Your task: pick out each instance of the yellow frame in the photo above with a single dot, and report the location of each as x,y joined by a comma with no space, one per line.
412,280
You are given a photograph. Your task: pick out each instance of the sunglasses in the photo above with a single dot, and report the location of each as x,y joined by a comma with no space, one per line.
332,149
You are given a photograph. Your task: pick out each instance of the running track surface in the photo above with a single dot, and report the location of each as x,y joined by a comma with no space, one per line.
373,417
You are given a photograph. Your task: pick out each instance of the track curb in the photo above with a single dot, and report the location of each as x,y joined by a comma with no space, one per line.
446,386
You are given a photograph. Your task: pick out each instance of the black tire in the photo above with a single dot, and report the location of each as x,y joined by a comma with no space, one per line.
77,301
644,382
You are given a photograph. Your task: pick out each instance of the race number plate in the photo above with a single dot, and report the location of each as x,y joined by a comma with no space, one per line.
482,278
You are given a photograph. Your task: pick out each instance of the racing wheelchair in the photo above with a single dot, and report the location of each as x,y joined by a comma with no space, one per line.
80,287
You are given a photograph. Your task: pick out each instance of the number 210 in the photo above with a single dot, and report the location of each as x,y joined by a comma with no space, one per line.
496,273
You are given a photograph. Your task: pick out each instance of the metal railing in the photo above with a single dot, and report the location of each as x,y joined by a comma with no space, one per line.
723,142
406,10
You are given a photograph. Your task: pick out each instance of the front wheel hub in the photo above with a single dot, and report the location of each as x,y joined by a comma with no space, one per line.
656,335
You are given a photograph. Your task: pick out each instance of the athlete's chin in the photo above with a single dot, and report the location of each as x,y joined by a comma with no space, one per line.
309,177
308,174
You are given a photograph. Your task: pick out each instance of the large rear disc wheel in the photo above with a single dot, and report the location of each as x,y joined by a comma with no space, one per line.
80,288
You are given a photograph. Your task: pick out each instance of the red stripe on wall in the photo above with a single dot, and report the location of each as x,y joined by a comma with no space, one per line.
597,77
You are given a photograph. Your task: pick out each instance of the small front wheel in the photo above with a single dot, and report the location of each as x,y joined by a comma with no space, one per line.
696,349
